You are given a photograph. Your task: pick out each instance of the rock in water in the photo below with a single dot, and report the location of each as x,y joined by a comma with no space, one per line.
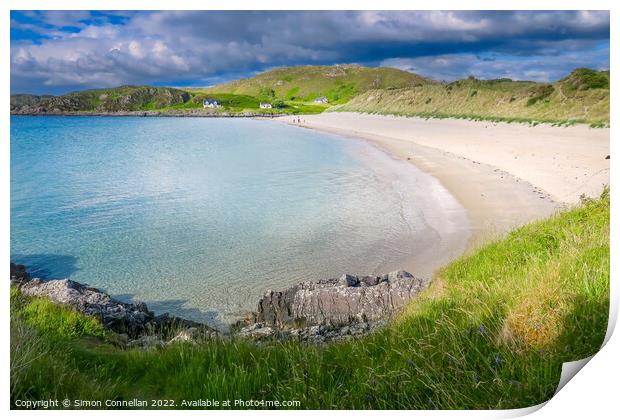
133,319
346,300
128,318
19,274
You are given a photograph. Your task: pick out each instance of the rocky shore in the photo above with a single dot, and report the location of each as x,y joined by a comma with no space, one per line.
195,113
132,321
323,311
332,309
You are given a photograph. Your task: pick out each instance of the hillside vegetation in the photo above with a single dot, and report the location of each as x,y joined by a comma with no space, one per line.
581,97
337,83
491,332
123,98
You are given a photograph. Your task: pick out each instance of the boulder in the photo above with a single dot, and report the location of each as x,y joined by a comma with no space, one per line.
257,331
310,334
19,274
349,299
189,335
133,319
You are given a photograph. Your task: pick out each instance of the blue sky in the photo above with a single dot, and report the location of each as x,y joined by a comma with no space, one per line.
60,51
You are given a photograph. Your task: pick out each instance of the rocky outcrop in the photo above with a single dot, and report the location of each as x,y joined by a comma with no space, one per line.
323,311
347,300
123,98
312,334
19,274
132,319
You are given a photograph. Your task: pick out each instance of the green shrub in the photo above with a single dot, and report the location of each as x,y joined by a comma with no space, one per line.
540,93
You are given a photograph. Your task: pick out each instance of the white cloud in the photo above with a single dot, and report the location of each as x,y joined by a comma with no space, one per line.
171,46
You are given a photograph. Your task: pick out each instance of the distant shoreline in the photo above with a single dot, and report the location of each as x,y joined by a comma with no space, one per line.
198,113
172,114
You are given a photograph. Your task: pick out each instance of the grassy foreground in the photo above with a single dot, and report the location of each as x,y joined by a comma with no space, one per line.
491,332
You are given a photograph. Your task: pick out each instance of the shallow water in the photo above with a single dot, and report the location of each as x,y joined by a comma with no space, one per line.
199,217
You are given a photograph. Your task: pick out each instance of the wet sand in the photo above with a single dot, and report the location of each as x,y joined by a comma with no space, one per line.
504,175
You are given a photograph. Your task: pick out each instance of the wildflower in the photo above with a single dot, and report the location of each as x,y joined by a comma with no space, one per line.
476,377
497,362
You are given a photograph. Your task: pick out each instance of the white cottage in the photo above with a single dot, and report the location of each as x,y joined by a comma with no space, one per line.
211,103
265,105
321,100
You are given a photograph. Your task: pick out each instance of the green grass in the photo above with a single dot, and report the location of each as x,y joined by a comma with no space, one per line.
586,79
54,320
581,97
338,83
476,117
491,332
235,104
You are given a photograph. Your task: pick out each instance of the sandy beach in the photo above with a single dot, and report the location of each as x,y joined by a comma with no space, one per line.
504,175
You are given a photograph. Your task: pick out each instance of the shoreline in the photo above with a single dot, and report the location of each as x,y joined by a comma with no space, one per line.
189,113
495,198
495,201
444,231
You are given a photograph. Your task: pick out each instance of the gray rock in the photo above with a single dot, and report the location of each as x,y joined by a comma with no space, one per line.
257,331
190,335
19,274
133,319
348,280
316,330
346,300
125,318
147,341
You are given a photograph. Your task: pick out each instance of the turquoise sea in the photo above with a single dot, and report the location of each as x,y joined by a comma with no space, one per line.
198,217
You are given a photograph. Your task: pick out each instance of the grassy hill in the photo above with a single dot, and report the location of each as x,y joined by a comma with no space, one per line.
290,90
21,100
123,98
491,332
581,97
337,83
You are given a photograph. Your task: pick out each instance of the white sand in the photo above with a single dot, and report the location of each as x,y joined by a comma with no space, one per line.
503,174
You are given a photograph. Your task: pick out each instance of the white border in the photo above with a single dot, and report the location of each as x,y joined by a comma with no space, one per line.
591,393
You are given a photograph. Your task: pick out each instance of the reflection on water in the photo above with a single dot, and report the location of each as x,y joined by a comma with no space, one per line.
199,216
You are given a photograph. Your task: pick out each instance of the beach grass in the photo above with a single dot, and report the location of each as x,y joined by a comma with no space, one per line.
492,331
582,97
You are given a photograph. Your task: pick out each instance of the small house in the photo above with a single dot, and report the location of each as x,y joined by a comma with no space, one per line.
211,103
265,105
321,100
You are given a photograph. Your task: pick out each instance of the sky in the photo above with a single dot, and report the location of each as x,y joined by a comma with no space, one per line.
54,52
